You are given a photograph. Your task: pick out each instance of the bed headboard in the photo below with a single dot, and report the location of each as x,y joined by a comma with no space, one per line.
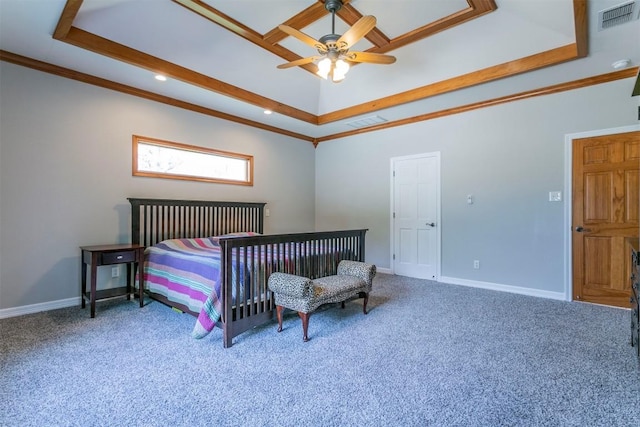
154,220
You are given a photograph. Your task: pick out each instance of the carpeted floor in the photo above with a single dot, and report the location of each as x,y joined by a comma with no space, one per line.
427,354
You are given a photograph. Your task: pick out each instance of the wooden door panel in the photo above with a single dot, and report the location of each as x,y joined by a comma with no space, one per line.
597,194
597,275
631,150
596,154
632,184
606,178
604,281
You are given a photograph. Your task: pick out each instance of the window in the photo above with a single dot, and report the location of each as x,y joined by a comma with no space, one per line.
164,159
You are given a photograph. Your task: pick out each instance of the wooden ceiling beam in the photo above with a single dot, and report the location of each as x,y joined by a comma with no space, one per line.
203,9
477,8
548,90
65,32
350,15
130,90
307,17
102,46
496,72
67,16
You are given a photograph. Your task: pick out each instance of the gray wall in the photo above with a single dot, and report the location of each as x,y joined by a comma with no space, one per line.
65,175
508,156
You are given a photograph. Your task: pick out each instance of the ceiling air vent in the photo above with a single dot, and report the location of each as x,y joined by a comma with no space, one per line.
366,121
616,15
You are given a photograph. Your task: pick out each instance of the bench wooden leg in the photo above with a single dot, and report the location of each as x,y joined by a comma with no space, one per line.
364,304
305,324
279,310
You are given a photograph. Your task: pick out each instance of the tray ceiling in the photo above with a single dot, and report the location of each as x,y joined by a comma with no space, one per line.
220,56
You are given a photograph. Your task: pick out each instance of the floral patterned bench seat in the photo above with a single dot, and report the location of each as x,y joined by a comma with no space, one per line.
301,294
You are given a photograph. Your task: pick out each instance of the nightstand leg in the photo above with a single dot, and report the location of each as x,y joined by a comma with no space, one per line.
94,273
137,269
83,281
128,281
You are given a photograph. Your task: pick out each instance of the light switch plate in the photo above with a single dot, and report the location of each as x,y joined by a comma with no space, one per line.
555,196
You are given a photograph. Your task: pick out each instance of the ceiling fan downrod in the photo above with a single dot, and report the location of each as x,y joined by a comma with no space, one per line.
331,65
333,6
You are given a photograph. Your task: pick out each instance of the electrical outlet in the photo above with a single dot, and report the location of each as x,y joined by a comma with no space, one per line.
476,264
115,272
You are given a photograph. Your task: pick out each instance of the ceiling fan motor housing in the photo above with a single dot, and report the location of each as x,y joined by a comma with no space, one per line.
333,5
329,40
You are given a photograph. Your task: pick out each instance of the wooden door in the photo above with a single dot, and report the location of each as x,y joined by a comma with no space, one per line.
605,212
415,216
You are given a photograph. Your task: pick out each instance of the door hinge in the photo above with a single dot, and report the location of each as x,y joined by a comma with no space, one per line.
394,174
394,257
394,214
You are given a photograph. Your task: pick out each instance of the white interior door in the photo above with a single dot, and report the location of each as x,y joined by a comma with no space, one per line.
416,216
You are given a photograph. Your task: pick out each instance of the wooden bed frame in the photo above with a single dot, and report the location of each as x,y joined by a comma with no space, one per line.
313,255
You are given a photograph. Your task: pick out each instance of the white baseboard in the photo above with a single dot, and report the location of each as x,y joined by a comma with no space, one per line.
71,302
36,308
505,288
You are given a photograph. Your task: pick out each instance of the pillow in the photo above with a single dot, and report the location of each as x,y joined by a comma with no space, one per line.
216,239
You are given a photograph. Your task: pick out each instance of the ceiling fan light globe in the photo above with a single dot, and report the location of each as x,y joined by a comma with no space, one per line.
342,67
337,77
340,70
324,67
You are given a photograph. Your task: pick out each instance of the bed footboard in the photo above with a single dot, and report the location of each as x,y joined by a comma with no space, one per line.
249,261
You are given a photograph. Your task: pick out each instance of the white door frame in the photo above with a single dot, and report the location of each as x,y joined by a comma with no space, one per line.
435,154
568,196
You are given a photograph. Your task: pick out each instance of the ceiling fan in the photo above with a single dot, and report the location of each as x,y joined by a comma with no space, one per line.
333,49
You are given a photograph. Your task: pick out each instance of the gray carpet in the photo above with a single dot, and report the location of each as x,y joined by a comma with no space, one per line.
426,354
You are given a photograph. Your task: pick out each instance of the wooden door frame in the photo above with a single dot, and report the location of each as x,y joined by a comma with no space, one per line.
568,197
392,161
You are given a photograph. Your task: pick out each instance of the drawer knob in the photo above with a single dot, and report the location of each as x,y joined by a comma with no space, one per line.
119,257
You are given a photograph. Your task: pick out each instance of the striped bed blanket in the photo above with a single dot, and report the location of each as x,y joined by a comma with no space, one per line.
188,271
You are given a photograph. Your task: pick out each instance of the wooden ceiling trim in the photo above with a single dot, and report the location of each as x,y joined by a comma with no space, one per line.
306,17
130,90
204,10
65,22
350,15
562,87
225,21
483,5
518,66
86,78
382,43
581,27
475,10
102,46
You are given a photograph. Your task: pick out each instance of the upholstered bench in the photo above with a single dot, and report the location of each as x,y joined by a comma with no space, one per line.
301,294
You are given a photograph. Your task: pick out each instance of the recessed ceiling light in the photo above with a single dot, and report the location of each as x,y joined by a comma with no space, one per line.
268,111
623,63
161,77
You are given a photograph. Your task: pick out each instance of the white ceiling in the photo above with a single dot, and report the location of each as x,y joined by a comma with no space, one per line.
165,29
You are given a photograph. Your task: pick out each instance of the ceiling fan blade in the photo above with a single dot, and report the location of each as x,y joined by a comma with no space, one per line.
303,38
356,32
374,58
297,62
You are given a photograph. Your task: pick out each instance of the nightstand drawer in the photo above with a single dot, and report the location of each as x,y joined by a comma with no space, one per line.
118,257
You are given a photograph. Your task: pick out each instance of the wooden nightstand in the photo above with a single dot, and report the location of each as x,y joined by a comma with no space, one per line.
132,255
